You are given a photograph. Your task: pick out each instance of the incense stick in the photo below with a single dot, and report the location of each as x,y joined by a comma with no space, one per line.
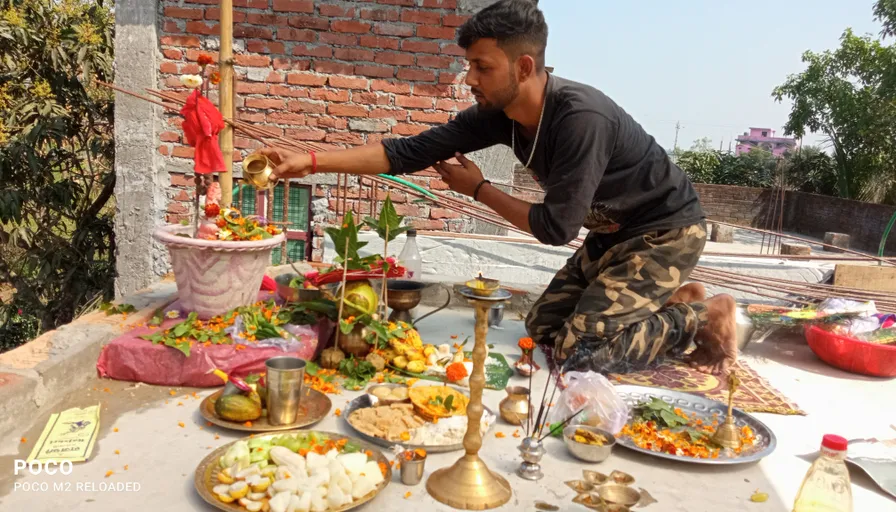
561,425
529,396
551,402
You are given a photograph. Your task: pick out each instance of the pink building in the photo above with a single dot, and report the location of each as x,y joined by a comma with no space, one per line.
764,138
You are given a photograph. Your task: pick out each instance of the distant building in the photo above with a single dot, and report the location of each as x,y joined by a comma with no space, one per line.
764,138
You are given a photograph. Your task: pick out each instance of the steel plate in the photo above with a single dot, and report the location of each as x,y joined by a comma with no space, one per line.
704,408
313,407
499,295
363,401
204,477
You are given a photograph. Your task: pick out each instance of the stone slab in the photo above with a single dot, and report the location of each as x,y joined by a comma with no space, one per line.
864,277
722,234
840,240
795,249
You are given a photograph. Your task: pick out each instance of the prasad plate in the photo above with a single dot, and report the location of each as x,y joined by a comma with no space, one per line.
204,478
363,402
704,408
313,407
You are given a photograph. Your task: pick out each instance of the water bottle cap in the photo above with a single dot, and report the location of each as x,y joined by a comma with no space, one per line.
412,232
834,442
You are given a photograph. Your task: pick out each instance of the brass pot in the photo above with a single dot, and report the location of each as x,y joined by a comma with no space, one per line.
257,170
353,343
514,408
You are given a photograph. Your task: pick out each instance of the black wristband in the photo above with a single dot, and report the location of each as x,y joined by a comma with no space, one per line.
476,190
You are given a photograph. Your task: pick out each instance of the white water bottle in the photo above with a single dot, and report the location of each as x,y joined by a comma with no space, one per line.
410,257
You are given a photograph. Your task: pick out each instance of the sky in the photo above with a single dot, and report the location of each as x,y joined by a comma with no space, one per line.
711,65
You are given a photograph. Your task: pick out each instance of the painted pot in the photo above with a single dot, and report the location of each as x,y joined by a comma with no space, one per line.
216,276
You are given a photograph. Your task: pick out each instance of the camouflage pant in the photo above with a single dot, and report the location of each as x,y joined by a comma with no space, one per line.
605,310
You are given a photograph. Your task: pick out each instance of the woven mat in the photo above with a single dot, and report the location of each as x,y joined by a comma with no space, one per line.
754,395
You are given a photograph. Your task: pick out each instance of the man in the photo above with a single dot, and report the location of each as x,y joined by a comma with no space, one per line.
606,310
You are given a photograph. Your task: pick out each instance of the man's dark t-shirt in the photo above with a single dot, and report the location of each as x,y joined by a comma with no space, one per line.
598,167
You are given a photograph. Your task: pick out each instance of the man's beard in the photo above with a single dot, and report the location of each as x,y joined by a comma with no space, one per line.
501,99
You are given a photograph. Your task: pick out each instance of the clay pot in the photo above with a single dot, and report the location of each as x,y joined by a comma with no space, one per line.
353,343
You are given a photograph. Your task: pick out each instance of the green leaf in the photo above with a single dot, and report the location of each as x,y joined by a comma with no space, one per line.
351,447
671,419
311,368
182,328
449,403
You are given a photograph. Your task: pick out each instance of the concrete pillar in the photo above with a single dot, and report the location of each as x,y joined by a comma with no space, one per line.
795,249
140,181
496,164
837,239
722,234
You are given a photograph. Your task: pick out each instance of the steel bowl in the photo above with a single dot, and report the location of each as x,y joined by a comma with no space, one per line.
587,452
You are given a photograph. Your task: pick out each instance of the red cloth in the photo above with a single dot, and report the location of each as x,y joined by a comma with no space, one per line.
131,358
202,123
268,283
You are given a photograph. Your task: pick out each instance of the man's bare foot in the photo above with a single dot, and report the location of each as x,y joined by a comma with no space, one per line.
717,340
691,292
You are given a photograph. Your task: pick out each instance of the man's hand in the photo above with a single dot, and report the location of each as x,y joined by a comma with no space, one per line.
289,164
461,178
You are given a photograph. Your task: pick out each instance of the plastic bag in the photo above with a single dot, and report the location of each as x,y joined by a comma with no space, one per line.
592,391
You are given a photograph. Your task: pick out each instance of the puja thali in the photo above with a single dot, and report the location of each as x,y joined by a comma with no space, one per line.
313,407
206,477
705,412
366,401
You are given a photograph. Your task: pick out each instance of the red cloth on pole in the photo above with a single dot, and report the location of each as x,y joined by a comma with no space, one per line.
202,123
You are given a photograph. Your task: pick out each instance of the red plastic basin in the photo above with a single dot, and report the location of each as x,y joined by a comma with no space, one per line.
852,355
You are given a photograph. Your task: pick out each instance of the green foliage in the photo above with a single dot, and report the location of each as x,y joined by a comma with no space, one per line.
346,245
756,168
849,95
56,154
388,226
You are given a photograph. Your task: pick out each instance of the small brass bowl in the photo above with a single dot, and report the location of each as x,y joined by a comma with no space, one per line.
618,494
483,287
594,478
622,478
257,170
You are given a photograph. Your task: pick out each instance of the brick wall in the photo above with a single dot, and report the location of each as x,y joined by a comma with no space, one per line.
335,72
808,214
737,205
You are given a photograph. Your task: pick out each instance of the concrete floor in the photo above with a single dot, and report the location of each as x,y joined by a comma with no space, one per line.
161,456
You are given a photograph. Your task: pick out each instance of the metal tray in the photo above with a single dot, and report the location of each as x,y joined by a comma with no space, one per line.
704,408
499,295
313,407
204,476
363,401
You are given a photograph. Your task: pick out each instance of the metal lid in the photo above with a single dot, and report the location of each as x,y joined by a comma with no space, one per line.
412,232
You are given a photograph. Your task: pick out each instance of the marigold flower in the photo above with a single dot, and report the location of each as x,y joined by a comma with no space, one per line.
204,60
215,78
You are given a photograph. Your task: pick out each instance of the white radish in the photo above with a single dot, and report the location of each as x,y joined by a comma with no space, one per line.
290,485
373,471
304,504
362,487
283,456
221,489
352,462
248,472
257,496
254,506
315,460
317,503
280,502
335,497
332,454
293,503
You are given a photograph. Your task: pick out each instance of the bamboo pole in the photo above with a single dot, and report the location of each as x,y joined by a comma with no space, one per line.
225,100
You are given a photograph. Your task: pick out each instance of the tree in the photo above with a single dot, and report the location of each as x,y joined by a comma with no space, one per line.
849,95
699,162
56,152
811,170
